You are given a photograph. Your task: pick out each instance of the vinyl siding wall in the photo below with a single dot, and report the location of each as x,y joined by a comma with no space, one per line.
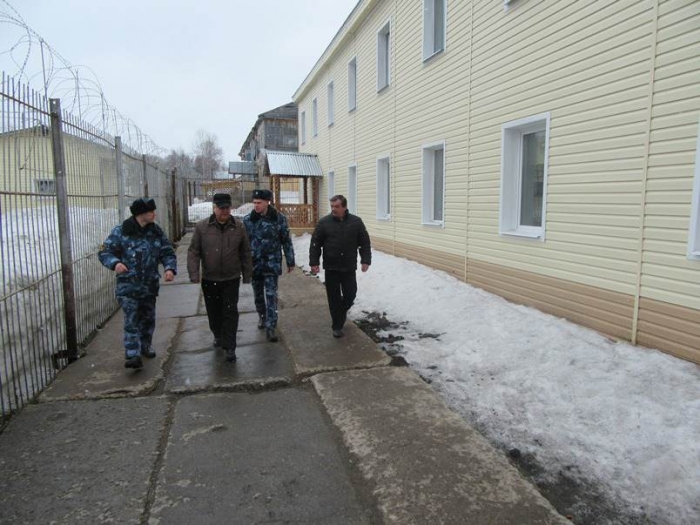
619,80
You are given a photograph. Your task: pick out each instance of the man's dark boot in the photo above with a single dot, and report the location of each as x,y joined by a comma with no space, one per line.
134,362
148,352
337,333
261,321
231,355
272,335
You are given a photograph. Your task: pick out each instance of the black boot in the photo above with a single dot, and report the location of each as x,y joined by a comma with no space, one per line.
148,352
261,321
134,362
272,335
231,355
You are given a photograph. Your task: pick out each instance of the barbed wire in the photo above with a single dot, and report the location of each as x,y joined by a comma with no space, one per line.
27,58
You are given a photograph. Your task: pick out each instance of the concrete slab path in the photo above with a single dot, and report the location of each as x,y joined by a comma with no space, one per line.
310,429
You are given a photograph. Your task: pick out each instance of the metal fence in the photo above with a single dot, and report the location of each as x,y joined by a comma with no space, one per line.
63,186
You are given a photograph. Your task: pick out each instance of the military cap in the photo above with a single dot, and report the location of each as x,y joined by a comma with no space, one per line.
222,200
265,195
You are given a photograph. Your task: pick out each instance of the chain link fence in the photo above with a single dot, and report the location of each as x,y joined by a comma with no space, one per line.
63,186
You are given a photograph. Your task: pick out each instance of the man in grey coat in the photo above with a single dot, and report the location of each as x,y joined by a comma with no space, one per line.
221,248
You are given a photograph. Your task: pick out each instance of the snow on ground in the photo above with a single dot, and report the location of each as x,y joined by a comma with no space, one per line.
624,418
202,210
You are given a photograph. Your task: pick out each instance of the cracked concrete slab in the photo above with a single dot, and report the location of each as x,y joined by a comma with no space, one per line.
67,462
307,333
305,326
427,464
198,366
178,300
270,458
101,373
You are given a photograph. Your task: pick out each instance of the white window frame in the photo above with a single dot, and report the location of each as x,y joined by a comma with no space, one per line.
45,186
511,176
330,182
352,188
384,187
352,84
384,56
694,229
302,125
428,158
314,116
331,103
429,47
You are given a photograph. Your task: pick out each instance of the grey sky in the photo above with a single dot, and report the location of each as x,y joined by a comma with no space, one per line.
176,66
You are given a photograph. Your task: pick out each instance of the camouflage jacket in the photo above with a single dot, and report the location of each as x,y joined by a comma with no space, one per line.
140,250
269,235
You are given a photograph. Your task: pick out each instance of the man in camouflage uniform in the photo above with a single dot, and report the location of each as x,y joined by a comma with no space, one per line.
269,235
134,250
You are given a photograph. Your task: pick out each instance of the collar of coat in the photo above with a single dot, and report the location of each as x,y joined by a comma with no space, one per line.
230,222
271,214
345,216
131,227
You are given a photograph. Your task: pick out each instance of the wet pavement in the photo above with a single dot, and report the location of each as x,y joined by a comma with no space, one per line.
310,429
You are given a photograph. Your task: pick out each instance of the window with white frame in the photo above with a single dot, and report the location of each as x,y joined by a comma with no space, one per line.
434,27
694,230
524,159
314,116
434,183
384,56
331,104
331,184
45,186
384,188
352,188
352,84
302,125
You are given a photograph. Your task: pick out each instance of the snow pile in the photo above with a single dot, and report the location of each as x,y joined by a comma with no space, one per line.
624,418
32,290
199,211
202,210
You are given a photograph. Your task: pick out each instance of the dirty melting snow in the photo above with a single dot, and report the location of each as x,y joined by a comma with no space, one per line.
623,417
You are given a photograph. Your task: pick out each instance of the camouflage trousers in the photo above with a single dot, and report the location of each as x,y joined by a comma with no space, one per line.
265,289
139,323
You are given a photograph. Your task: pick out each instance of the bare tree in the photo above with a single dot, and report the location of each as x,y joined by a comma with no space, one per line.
179,160
208,155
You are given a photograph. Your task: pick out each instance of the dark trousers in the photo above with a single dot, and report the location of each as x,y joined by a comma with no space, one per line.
265,290
139,323
341,289
221,300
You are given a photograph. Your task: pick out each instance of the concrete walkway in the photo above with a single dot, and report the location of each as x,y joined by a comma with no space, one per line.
311,429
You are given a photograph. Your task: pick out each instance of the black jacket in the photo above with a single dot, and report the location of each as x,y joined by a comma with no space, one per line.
340,242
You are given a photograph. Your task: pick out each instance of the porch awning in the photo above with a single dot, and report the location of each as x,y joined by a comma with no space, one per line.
293,164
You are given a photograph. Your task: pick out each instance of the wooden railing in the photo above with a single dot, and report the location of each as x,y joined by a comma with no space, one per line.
298,215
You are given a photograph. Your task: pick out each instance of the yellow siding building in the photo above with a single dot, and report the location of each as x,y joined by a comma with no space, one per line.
544,151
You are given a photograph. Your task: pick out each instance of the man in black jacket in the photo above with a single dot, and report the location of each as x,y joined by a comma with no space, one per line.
339,236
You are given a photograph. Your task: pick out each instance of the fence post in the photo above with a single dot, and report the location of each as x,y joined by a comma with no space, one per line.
64,236
120,178
145,176
173,203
